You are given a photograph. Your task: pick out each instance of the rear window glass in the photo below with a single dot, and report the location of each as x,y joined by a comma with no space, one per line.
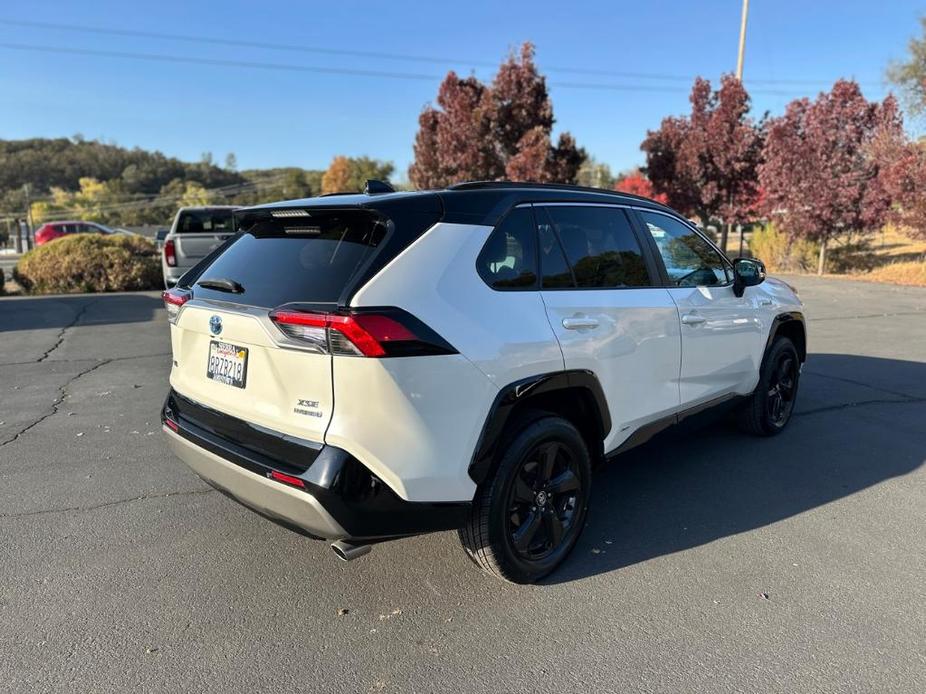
307,262
206,222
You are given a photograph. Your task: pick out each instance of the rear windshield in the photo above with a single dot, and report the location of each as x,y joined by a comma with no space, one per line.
206,221
305,261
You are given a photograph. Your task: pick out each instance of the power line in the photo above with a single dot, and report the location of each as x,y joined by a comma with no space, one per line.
219,62
378,55
153,199
165,58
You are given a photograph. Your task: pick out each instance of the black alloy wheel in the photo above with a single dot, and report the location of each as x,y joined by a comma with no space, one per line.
544,500
770,407
528,515
782,389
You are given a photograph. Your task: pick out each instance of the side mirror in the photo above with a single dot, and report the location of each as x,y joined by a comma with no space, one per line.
747,272
160,235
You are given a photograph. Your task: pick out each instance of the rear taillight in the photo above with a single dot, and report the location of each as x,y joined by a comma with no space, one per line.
170,253
173,300
388,332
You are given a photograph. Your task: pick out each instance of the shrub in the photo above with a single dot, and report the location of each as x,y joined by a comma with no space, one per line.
90,263
780,253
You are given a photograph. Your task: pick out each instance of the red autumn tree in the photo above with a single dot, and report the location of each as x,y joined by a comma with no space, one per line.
490,132
636,183
822,176
902,169
705,163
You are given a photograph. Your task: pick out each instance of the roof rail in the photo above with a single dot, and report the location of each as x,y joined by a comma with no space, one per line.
489,185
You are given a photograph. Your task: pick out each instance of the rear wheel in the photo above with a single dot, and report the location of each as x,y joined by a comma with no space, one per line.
768,410
529,515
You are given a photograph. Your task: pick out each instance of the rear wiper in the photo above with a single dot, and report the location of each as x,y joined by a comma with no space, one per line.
221,284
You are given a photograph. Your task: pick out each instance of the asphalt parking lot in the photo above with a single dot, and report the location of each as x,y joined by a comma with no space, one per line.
715,562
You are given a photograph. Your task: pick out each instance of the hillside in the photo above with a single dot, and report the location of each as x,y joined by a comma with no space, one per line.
115,185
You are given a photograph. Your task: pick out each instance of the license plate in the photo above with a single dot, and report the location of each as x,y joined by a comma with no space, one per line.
228,364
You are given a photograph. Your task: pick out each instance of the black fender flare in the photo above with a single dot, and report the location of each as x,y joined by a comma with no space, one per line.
783,319
514,399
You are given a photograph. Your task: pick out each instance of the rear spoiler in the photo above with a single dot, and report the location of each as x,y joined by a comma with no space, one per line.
390,205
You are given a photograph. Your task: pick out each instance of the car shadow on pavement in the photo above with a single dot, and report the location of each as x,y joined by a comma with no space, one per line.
57,312
687,489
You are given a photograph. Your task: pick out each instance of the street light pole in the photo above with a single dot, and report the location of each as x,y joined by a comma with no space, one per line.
742,50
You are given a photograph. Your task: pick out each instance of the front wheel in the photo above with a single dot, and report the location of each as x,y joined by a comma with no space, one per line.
768,410
529,515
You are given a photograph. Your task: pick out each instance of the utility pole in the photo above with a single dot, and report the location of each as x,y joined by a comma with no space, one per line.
30,240
728,227
742,50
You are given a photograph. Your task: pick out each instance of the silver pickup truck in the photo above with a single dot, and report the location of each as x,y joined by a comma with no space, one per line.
194,233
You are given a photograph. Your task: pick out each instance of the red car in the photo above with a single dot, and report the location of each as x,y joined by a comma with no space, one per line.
55,230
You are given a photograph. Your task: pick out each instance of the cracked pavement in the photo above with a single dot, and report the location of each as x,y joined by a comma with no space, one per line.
712,561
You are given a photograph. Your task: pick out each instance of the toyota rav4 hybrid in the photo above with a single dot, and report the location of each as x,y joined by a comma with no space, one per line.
366,367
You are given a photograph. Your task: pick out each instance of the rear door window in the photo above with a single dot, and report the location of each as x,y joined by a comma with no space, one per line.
305,262
600,246
553,266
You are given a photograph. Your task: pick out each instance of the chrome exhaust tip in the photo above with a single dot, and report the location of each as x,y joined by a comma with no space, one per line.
348,552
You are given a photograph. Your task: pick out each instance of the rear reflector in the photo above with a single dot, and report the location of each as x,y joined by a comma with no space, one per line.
387,332
172,425
286,479
173,300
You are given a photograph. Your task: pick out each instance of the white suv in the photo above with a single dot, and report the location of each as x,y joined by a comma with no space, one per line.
366,367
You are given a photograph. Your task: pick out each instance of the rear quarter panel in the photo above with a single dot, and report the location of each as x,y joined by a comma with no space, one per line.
419,419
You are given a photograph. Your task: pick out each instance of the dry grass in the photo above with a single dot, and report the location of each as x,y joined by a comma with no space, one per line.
891,257
913,274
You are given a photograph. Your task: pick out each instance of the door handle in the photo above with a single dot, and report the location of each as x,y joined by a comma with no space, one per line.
765,302
579,322
693,319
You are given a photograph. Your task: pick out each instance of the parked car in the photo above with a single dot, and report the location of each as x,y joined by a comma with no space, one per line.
55,230
124,232
366,367
196,231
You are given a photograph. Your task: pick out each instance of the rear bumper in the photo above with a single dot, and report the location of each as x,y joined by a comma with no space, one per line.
279,502
338,498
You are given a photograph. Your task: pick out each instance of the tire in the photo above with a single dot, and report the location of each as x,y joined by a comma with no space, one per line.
768,410
527,517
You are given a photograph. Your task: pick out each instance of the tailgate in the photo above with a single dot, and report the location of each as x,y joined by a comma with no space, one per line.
194,247
198,231
249,375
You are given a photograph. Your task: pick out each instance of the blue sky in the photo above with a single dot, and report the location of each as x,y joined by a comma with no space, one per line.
300,118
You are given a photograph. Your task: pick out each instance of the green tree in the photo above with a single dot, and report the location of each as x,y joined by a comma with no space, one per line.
595,174
910,74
